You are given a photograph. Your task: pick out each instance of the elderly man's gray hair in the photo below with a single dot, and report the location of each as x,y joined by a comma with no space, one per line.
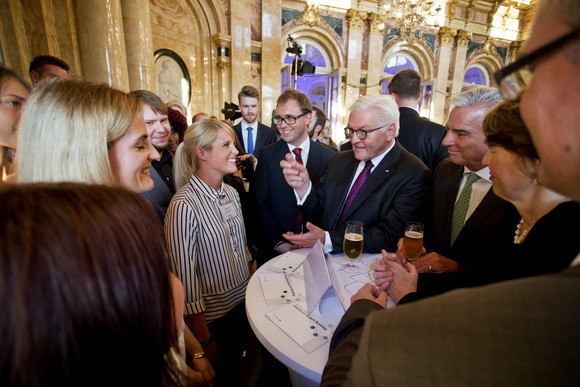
486,97
384,108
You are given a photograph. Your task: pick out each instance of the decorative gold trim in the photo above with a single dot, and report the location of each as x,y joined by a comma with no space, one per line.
356,19
447,35
489,46
463,37
376,22
312,17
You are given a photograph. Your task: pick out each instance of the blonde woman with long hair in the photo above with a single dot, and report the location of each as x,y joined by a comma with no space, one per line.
206,237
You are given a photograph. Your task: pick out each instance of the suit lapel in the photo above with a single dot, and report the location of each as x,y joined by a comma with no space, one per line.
486,207
238,130
376,179
337,195
259,138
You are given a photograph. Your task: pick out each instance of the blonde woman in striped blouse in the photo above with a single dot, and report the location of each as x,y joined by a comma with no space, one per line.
206,238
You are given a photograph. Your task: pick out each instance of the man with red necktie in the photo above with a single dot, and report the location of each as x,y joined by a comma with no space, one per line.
275,200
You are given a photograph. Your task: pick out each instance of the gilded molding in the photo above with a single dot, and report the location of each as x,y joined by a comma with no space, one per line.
312,17
489,47
356,19
447,35
515,48
463,37
377,22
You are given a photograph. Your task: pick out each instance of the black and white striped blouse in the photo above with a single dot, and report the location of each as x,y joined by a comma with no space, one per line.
206,239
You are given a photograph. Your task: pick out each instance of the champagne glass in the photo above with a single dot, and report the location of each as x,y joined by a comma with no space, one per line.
353,244
413,241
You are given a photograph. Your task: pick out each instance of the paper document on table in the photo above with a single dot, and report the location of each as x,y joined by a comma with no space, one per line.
345,283
282,288
316,276
309,332
288,263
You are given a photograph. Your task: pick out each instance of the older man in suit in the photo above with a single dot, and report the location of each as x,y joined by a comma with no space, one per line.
468,221
275,200
418,135
377,182
522,332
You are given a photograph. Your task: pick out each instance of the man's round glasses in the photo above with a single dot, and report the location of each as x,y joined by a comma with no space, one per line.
289,120
360,133
513,79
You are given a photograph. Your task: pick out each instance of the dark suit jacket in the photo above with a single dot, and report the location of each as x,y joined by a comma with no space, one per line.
422,137
395,193
489,230
266,136
275,199
514,333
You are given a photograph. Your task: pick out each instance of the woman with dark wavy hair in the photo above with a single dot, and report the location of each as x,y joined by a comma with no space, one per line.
85,292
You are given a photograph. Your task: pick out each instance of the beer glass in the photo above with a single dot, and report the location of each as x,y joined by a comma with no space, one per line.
353,242
413,241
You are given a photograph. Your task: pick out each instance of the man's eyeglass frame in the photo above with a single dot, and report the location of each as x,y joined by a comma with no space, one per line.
360,133
278,120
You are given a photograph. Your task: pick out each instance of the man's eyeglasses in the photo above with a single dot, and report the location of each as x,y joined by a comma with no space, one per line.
515,77
360,133
289,120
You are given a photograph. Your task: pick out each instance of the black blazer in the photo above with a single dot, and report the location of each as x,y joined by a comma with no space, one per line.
395,192
487,232
266,136
274,198
422,137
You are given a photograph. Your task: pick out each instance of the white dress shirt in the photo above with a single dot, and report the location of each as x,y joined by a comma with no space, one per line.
478,190
245,127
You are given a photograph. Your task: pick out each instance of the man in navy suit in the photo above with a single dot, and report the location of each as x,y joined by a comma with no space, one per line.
378,182
275,200
418,135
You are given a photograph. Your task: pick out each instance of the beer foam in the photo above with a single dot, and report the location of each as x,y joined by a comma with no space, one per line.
354,237
414,234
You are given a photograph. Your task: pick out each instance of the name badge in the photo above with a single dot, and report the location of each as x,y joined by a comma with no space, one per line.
228,211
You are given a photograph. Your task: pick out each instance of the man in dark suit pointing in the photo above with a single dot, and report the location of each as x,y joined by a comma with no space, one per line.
378,183
275,200
418,135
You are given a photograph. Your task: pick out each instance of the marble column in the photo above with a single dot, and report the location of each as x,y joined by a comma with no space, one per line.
354,53
377,25
271,48
102,42
241,45
446,37
139,44
462,38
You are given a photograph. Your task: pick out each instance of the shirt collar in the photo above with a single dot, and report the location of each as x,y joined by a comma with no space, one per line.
205,189
305,146
245,125
483,173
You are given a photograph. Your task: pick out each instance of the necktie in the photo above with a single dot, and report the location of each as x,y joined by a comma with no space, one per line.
460,209
360,180
250,140
298,154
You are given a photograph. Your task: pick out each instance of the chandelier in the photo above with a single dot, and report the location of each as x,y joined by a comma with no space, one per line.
409,15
